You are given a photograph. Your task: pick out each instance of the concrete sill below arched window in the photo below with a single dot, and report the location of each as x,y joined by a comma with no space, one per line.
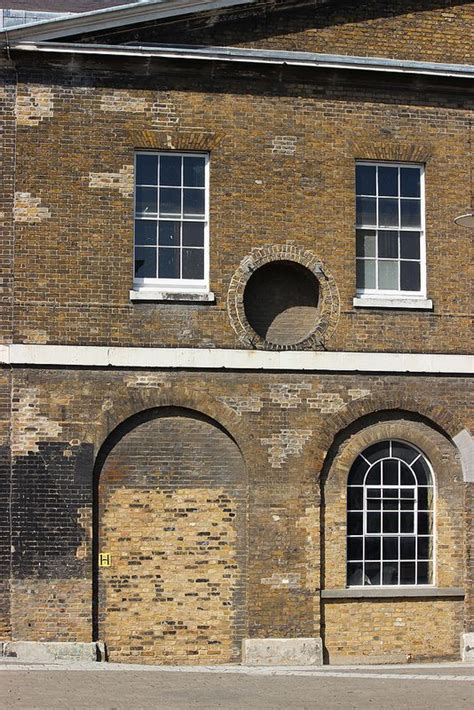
392,592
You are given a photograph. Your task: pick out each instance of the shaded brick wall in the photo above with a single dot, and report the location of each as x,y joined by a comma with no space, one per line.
392,631
436,30
284,425
74,216
7,189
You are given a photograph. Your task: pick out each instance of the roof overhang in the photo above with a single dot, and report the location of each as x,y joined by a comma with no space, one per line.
253,56
125,15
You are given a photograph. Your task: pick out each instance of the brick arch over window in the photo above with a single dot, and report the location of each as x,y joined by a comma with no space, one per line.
384,405
170,507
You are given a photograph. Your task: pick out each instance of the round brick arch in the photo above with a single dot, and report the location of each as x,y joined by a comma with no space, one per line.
439,415
138,402
435,415
328,306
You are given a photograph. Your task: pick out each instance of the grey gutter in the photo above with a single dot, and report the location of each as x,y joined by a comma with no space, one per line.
257,56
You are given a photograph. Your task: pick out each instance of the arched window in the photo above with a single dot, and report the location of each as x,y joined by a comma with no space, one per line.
390,517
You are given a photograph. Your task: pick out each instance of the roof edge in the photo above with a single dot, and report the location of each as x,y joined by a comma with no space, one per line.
121,15
256,56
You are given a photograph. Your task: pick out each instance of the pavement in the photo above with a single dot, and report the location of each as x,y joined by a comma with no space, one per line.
109,686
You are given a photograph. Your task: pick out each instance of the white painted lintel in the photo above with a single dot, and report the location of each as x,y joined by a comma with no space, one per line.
209,358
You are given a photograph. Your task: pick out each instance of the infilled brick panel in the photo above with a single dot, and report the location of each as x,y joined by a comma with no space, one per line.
172,502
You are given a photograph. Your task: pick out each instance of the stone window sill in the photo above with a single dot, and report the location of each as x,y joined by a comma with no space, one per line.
183,296
425,304
391,592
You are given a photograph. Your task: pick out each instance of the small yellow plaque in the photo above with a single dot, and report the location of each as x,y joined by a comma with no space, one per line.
105,559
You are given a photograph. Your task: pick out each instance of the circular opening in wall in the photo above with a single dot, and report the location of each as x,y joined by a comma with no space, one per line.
281,302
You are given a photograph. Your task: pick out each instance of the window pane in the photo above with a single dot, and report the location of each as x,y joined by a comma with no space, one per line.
374,475
372,573
424,548
422,472
193,234
365,273
193,202
410,182
193,263
388,275
410,213
376,451
407,548
372,548
390,548
424,523
169,233
365,245
194,172
423,499
388,213
354,574
390,476
403,451
406,477
355,498
390,505
366,213
410,278
388,244
145,262
170,170
145,231
168,263
354,523
354,548
365,179
410,245
358,470
390,522
407,522
374,504
373,522
407,573
390,573
170,201
388,181
146,200
147,169
424,576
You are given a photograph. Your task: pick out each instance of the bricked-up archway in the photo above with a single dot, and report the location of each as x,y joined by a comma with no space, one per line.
171,512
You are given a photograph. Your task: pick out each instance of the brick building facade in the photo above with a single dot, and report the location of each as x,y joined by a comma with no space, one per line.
195,400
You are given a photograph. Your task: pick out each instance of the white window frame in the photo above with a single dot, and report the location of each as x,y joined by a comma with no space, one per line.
174,289
396,297
381,535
